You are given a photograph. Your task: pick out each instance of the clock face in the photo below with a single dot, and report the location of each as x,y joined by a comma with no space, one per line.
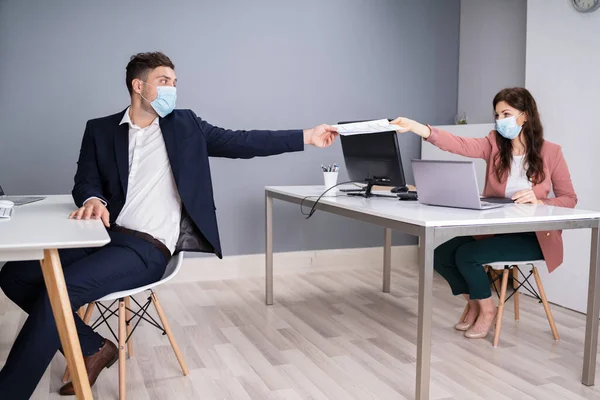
586,5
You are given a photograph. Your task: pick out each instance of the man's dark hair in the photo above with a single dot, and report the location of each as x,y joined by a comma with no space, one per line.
142,63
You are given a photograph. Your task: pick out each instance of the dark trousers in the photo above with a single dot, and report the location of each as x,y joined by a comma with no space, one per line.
460,261
90,274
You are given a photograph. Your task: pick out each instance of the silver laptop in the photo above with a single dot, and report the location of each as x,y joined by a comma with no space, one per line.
449,184
19,200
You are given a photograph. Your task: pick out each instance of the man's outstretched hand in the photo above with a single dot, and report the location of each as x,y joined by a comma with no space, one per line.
320,136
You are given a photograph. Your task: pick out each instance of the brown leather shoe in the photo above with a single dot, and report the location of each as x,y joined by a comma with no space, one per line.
94,364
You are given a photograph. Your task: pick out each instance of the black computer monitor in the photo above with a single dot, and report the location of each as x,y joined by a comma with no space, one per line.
373,159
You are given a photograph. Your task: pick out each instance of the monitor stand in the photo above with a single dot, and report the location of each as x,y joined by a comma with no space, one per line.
370,183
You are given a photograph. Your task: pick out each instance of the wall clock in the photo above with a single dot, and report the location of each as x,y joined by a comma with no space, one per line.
586,6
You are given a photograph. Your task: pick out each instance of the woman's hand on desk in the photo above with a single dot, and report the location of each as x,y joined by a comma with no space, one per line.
93,208
408,125
526,197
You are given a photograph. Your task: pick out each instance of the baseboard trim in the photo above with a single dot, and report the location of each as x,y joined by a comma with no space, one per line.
197,269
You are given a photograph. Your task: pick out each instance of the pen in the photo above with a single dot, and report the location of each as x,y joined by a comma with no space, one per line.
330,168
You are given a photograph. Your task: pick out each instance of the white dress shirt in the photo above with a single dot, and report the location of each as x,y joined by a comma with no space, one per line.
517,179
152,204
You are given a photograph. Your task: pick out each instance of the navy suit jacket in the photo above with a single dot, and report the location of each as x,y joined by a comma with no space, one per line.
103,167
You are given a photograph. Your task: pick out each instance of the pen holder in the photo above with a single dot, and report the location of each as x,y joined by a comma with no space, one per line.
330,181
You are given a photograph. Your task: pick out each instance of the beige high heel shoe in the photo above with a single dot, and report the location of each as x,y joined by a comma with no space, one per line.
463,326
477,335
470,334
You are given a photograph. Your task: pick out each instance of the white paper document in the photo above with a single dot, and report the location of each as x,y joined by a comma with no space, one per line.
362,128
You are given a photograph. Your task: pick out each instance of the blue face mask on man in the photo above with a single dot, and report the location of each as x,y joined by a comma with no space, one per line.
164,103
508,127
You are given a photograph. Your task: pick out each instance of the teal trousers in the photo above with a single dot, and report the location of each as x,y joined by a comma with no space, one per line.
460,261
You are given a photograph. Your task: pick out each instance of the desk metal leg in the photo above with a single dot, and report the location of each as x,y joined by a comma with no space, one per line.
63,314
269,250
425,312
593,311
387,260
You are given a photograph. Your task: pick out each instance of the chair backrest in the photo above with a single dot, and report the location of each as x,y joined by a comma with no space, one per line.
172,268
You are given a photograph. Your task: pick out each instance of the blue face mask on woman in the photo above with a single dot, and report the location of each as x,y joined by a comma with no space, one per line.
508,127
164,103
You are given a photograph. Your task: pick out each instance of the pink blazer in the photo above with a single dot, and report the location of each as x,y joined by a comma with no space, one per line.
557,178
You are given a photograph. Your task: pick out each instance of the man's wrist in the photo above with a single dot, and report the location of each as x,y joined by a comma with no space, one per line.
307,135
95,199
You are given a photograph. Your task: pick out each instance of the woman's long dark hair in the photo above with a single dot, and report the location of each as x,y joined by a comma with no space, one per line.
533,136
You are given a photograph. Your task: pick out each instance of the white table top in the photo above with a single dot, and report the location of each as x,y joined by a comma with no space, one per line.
413,212
45,225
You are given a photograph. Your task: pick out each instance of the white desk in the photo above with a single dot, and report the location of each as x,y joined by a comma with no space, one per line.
35,232
434,226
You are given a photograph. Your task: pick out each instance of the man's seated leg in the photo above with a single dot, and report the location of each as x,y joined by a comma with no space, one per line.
125,263
23,282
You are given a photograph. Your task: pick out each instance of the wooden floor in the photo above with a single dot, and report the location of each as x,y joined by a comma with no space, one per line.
331,335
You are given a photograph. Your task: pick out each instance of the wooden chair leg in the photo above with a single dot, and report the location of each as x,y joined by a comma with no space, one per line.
167,327
130,338
515,274
86,316
88,313
501,306
463,317
122,356
496,283
540,287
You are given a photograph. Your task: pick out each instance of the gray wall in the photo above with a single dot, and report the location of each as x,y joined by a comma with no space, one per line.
492,53
240,64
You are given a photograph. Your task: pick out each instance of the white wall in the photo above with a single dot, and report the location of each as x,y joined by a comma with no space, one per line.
563,74
492,53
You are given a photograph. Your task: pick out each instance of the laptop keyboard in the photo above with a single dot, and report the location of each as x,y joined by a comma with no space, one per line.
19,201
486,206
5,212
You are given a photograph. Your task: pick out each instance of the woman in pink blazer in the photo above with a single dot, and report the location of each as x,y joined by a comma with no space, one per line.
521,165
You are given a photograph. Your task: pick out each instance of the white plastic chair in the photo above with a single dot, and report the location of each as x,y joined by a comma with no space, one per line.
499,271
124,311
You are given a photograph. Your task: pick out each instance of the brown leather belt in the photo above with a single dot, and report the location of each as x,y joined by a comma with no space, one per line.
148,238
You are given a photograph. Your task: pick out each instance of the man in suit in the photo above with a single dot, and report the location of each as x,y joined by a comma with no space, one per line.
145,173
